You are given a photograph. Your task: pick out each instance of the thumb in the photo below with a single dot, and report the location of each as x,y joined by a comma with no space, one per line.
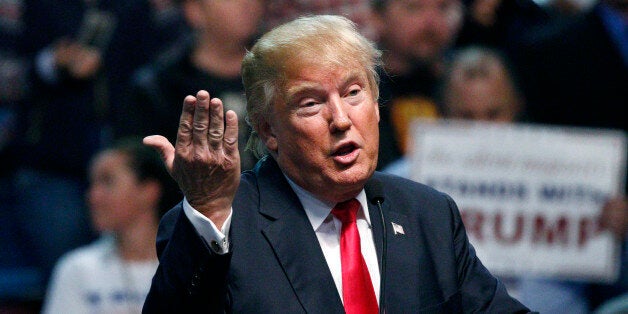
163,147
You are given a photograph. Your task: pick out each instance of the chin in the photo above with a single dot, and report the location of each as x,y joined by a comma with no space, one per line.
353,177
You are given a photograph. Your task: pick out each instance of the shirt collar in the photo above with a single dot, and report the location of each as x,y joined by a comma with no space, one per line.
318,210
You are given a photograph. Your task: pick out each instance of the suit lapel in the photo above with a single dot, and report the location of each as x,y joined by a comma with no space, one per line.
405,246
294,242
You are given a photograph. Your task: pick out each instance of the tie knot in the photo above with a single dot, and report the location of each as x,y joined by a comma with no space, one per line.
346,211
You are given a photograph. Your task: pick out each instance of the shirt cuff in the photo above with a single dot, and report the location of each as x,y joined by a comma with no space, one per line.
217,239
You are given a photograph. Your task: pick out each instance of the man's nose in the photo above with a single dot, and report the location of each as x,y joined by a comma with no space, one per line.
340,120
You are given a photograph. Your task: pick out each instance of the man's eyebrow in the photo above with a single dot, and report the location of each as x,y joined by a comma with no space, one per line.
304,86
300,88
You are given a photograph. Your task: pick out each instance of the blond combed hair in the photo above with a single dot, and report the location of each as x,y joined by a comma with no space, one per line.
320,40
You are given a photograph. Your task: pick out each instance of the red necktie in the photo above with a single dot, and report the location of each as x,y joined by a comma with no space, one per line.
357,290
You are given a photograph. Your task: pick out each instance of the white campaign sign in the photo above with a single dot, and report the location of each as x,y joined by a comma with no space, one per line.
530,196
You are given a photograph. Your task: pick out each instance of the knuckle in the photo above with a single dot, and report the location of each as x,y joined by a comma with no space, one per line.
199,126
215,134
231,140
198,157
184,125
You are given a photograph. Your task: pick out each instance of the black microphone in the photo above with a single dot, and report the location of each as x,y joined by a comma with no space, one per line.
375,192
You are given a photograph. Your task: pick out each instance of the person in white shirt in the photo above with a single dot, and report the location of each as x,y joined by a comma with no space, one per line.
129,190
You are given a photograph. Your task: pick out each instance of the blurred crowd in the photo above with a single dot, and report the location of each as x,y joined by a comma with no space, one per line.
77,76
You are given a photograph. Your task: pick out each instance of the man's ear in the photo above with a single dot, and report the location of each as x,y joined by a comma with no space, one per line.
267,136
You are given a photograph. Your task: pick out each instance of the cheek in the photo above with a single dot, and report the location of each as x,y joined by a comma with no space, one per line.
105,204
303,146
119,210
304,132
100,200
101,214
129,196
367,124
120,199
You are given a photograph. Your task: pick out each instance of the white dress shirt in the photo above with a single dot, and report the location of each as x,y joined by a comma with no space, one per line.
326,226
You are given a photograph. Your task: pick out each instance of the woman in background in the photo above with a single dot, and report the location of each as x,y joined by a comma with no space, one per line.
129,191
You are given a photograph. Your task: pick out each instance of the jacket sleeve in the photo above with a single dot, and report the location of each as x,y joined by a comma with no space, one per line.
480,290
190,277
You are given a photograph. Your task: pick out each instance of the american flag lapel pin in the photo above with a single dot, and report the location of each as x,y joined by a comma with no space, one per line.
397,229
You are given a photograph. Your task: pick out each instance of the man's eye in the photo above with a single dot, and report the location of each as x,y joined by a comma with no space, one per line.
308,107
354,92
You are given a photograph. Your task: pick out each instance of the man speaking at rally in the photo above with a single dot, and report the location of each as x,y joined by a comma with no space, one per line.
312,228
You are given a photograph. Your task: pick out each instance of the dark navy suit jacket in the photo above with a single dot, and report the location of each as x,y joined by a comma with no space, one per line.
276,265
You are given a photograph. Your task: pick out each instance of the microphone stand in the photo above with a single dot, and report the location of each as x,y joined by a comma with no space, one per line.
382,281
374,188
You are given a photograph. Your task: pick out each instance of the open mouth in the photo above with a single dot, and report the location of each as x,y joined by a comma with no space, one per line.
345,150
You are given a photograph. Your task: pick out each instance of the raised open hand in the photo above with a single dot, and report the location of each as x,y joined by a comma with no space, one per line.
205,161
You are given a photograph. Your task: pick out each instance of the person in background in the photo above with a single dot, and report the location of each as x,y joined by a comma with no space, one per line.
297,233
81,52
478,84
358,11
415,36
574,73
500,24
210,58
129,191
